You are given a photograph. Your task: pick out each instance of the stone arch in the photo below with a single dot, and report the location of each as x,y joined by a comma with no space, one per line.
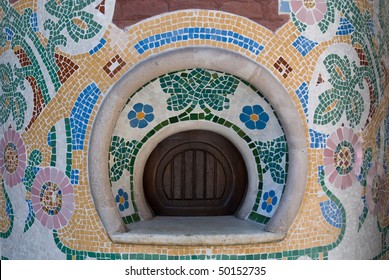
210,58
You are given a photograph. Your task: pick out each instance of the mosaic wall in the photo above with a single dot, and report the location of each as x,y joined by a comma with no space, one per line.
59,59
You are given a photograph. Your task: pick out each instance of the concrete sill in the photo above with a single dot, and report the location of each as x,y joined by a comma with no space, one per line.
220,230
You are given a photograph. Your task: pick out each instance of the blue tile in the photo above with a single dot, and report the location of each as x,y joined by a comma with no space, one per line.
304,45
80,114
320,169
185,34
302,94
75,176
98,46
318,140
9,33
284,7
345,27
331,213
34,22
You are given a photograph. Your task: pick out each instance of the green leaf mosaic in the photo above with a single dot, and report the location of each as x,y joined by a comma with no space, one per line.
10,212
273,155
329,17
70,15
121,153
34,161
342,97
12,102
198,87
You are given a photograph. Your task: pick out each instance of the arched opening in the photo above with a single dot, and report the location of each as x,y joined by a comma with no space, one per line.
195,173
151,230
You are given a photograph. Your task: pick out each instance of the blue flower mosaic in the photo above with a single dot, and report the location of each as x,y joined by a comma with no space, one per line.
122,200
141,115
269,201
254,117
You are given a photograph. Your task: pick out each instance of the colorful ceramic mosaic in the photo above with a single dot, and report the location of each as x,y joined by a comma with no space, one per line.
60,59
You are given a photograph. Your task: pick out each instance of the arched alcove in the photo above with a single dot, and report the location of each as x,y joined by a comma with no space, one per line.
240,230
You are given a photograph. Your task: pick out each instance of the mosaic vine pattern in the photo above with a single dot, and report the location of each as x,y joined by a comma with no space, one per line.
59,59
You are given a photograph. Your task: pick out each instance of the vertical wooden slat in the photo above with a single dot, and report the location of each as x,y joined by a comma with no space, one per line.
200,166
167,181
177,177
188,174
220,179
210,170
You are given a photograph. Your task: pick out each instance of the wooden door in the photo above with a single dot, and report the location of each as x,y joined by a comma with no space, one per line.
195,173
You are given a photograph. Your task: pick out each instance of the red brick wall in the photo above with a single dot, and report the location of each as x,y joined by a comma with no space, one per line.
264,12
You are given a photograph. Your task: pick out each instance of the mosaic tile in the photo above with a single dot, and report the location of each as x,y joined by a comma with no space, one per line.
34,22
99,46
114,66
141,115
66,67
283,67
52,198
12,101
341,156
345,27
8,33
273,154
75,176
304,45
121,153
363,215
331,213
39,91
13,158
23,58
198,87
318,140
254,117
302,93
283,7
198,33
39,102
81,113
101,7
30,217
342,97
5,233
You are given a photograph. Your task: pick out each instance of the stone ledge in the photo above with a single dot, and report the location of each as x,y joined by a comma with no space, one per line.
215,230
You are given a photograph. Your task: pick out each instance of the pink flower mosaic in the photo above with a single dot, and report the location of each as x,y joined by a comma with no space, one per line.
12,157
52,198
342,157
375,189
309,11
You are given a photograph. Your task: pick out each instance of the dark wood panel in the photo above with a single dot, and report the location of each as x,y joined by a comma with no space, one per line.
195,173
